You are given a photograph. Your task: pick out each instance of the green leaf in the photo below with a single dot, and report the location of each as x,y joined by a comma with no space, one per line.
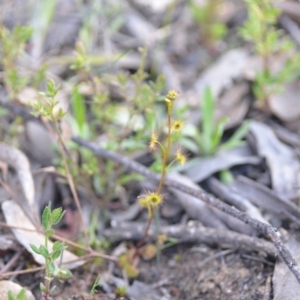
64,273
11,296
46,216
190,144
236,138
49,278
22,295
52,267
130,177
42,288
226,177
55,254
57,215
56,245
208,108
44,251
35,248
52,89
79,110
217,135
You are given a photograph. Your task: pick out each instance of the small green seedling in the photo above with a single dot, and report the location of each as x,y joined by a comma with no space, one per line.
46,105
260,29
49,219
20,296
12,44
95,285
207,18
209,138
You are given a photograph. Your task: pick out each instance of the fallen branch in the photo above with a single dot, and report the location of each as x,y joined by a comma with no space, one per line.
191,232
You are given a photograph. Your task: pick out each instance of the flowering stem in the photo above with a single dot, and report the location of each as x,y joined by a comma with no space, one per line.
150,219
166,152
163,174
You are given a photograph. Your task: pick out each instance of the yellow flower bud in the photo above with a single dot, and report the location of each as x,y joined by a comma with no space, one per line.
171,96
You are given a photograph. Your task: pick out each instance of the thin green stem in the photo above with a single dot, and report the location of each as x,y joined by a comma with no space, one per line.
70,180
47,271
161,146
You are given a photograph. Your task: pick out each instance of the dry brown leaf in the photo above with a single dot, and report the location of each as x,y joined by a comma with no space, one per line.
281,159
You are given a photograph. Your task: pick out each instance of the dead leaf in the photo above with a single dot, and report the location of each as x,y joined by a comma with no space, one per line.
283,164
199,210
233,104
201,168
6,286
156,6
195,208
285,105
7,242
18,160
264,197
233,197
221,75
291,8
28,95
